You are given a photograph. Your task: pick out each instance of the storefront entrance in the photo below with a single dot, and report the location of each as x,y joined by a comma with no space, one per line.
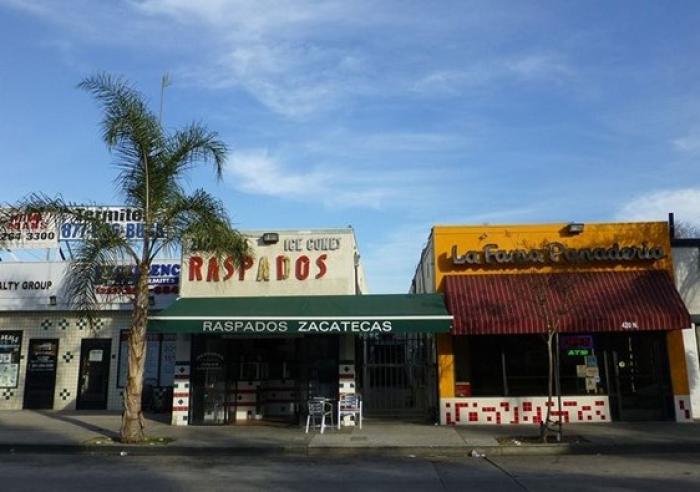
40,384
95,358
637,371
398,375
246,380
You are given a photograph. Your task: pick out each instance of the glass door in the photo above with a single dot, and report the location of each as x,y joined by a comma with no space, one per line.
93,384
208,381
40,383
640,386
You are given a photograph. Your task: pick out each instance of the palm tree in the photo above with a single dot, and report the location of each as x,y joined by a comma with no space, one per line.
151,164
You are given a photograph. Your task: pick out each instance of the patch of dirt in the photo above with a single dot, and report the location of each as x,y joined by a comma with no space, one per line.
149,441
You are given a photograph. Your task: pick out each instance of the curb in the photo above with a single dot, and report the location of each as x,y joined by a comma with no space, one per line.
690,447
356,451
160,450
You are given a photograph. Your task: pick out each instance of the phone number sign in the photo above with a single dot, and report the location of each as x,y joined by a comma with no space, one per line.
125,221
28,231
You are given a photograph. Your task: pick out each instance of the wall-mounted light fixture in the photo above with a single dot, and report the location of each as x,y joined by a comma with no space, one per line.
52,300
151,300
270,238
574,228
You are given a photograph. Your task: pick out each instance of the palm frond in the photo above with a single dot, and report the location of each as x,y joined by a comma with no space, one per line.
202,221
55,210
184,150
102,251
131,131
195,144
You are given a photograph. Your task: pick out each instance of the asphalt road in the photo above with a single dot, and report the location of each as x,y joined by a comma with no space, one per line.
152,474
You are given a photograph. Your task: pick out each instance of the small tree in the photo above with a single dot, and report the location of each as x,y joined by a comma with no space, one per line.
550,297
151,164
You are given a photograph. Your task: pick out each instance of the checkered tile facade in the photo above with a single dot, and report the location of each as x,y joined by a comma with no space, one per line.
522,410
683,411
181,382
69,328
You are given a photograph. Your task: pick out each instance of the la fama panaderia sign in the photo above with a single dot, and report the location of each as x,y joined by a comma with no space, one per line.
286,326
557,253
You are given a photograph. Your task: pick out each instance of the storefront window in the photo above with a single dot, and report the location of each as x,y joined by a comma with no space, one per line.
526,365
486,366
518,365
10,347
160,359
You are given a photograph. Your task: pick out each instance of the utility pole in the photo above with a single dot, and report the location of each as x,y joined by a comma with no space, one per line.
164,82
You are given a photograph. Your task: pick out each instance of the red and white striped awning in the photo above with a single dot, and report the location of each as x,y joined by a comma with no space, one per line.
577,302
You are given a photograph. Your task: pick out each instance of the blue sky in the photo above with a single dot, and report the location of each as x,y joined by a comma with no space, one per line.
390,116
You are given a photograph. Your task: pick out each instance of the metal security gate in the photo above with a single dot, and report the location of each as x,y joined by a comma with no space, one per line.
399,376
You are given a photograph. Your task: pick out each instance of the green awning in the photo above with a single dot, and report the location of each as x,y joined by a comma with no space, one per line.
361,314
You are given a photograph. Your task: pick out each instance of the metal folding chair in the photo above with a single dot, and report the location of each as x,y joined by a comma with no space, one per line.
350,405
318,410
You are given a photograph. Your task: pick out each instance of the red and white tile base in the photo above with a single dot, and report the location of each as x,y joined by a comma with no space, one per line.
522,410
683,408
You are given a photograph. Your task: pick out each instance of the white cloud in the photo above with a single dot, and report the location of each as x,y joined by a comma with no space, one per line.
684,203
481,74
372,144
296,58
270,49
258,172
689,144
252,17
539,66
291,79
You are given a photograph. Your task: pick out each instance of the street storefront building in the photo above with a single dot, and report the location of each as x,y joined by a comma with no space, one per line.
686,261
53,357
606,289
256,340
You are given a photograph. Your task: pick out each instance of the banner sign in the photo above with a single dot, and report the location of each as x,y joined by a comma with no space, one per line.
27,231
163,278
37,230
30,286
126,221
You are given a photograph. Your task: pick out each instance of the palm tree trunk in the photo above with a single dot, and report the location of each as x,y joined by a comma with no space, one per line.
132,418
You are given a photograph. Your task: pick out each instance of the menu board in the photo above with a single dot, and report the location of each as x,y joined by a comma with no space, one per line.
10,347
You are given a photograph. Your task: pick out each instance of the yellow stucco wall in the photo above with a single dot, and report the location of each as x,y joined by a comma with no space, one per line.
446,365
676,358
537,236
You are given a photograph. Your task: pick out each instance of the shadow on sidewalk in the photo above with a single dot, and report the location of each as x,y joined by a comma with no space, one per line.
80,423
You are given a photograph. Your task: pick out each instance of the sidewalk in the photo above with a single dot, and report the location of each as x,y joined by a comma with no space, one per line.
78,432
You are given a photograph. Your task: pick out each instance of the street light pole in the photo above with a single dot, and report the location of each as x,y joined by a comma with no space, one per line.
164,82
